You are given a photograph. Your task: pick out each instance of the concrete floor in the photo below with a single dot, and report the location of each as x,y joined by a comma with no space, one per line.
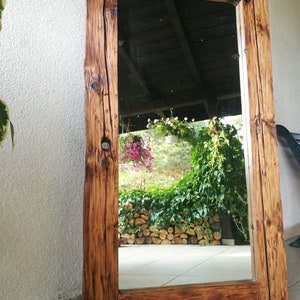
293,267
145,266
154,265
165,265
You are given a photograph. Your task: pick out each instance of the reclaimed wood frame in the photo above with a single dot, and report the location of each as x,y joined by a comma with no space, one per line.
100,269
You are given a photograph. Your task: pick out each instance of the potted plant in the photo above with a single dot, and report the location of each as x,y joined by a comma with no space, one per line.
134,153
173,129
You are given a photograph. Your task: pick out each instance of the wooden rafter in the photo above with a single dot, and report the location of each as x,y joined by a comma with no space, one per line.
170,102
183,41
133,69
159,105
100,220
233,2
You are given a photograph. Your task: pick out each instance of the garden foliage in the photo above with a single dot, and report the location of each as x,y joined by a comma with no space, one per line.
2,4
5,123
216,185
183,129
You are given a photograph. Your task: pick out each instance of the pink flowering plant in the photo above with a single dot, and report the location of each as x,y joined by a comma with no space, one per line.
134,153
183,129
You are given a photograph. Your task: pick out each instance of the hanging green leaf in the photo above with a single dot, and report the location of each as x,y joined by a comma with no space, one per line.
2,4
5,123
12,133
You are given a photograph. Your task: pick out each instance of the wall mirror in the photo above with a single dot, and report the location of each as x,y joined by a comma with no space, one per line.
180,59
100,273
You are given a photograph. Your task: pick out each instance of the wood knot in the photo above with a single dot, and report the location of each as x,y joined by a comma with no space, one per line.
96,86
105,163
114,11
268,222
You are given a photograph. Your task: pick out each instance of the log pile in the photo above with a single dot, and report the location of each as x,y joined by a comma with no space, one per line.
205,232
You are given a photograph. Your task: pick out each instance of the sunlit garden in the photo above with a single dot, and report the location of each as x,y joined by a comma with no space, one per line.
179,179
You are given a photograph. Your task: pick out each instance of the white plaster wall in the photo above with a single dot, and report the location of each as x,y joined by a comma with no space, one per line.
285,39
41,181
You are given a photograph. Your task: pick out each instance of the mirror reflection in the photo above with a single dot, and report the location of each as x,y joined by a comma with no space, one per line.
183,215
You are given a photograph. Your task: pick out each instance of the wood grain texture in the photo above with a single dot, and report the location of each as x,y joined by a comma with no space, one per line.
264,183
246,41
237,291
100,275
100,270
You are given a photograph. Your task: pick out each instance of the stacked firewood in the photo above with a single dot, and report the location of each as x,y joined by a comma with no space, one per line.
140,232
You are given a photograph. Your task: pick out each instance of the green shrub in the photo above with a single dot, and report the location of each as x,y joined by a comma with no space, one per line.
219,174
216,185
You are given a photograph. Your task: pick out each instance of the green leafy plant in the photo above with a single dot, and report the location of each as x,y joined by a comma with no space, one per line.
219,174
2,4
5,123
216,185
173,126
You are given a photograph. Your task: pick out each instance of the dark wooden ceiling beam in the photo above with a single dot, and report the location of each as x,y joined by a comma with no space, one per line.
212,107
171,102
233,2
172,12
158,105
133,69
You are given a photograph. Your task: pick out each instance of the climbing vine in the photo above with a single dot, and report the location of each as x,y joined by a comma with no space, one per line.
216,185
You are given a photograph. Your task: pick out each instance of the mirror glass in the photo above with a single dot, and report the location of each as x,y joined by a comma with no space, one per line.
183,213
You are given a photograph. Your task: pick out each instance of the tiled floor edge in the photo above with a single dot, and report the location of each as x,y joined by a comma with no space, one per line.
291,232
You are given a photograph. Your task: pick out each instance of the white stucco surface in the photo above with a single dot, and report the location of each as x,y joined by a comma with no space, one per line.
41,181
285,38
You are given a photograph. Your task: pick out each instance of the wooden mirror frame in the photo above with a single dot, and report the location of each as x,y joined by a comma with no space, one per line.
100,270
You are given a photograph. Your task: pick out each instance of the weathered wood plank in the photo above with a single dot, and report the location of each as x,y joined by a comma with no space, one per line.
100,276
255,207
236,291
100,270
264,180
